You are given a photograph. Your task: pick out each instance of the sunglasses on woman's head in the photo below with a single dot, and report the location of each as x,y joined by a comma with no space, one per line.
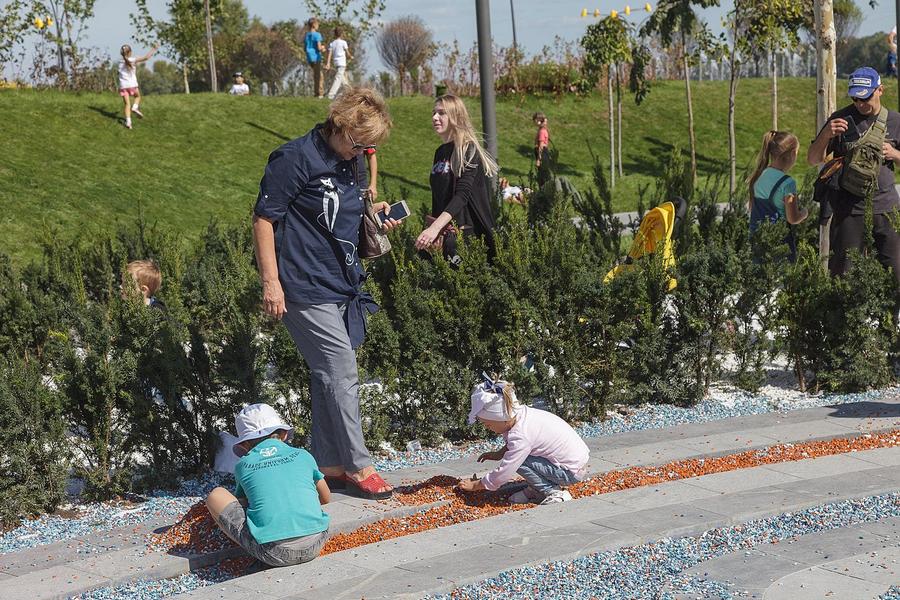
361,146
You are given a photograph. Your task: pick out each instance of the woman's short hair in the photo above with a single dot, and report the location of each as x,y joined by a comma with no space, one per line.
361,112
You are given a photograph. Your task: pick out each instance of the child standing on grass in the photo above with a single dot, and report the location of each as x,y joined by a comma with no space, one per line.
540,447
773,193
275,513
128,83
541,148
339,52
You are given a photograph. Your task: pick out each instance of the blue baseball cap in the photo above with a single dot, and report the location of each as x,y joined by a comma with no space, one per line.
863,82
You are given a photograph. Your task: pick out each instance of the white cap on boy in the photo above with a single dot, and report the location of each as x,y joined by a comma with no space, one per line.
256,421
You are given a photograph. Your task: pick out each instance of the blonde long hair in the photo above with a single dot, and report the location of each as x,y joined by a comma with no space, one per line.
466,143
774,145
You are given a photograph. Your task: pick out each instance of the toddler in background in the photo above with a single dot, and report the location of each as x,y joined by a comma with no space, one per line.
540,447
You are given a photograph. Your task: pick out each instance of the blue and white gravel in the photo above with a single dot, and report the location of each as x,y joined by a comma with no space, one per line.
156,590
99,516
891,594
655,570
721,404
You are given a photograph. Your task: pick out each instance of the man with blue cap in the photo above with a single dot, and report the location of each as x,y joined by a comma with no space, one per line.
864,134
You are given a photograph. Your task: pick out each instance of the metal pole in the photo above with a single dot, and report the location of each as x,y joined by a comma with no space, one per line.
512,13
486,70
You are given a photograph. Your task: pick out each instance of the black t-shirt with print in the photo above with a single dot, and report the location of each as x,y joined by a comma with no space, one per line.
886,199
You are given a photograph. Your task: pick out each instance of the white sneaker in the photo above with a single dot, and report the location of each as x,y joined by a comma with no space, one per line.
528,495
557,496
137,111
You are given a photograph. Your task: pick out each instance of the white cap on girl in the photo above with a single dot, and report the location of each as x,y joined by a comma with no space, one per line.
488,402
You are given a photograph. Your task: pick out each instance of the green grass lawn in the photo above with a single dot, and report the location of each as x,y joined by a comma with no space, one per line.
67,164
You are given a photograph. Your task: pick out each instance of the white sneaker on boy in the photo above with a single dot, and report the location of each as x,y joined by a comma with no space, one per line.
557,496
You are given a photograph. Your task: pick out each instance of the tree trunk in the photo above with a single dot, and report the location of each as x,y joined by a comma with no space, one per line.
826,72
826,99
732,93
690,109
619,119
612,127
400,80
213,83
774,91
184,72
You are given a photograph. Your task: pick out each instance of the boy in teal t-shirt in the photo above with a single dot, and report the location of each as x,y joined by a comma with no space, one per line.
280,486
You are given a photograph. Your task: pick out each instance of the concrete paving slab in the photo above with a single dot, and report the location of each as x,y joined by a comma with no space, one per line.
5,576
808,430
751,571
886,457
395,584
824,466
752,504
50,584
645,454
733,441
675,520
300,579
664,494
572,513
846,485
560,542
740,480
815,583
228,591
878,566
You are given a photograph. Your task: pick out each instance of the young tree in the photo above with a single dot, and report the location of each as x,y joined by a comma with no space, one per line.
606,43
404,45
677,18
774,25
267,52
362,14
70,19
182,38
13,25
826,71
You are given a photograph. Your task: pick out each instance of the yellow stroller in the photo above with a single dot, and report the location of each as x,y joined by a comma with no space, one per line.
656,228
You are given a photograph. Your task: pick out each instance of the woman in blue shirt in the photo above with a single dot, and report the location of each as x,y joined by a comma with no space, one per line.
306,229
773,193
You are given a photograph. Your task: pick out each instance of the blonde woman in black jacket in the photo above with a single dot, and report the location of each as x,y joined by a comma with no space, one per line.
459,180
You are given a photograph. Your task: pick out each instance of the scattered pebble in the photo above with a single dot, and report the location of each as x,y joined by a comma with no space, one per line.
656,570
891,594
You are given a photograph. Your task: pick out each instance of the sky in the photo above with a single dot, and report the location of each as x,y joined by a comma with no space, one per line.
537,21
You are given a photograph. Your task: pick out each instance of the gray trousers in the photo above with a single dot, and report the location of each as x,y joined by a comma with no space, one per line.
336,439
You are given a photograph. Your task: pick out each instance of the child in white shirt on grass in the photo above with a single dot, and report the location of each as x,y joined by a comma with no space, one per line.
540,447
128,83
339,52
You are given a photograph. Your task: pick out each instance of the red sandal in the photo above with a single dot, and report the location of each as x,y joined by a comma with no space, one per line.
368,487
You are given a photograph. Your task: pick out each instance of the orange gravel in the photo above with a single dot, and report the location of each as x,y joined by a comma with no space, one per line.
196,532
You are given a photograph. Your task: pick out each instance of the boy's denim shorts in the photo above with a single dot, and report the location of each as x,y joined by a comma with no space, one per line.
280,553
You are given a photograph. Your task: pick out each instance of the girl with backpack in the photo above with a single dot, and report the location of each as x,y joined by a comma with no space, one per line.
773,193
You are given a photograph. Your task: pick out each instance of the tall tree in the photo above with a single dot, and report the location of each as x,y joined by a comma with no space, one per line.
13,25
210,48
826,71
676,19
404,45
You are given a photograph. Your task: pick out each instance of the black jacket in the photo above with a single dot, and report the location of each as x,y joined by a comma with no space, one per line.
466,197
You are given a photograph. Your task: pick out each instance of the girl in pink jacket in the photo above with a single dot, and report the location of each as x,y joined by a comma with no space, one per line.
540,446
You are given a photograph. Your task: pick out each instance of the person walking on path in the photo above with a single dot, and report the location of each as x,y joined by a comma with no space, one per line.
540,447
315,46
459,181
128,83
306,227
339,53
863,129
773,193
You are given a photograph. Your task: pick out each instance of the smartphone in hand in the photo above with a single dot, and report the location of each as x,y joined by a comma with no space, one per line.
398,212
852,133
